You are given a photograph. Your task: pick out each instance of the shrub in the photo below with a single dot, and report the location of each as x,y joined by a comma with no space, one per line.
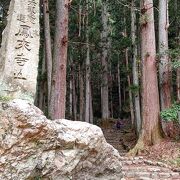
171,114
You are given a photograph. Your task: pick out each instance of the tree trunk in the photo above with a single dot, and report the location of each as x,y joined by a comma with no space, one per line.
80,18
81,95
71,87
48,53
119,87
151,132
91,119
104,62
128,77
151,127
70,98
135,69
88,70
178,84
130,93
58,87
42,91
111,92
164,65
124,93
74,94
178,44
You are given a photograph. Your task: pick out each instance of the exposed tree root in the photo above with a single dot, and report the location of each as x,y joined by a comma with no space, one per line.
139,147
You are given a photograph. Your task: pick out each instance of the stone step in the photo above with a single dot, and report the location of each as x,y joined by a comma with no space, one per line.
139,168
143,168
157,176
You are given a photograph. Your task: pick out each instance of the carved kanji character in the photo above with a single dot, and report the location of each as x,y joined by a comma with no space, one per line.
23,44
21,60
25,31
21,18
19,75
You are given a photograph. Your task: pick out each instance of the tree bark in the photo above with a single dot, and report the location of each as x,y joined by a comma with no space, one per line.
164,65
81,95
128,77
151,127
70,98
119,87
71,87
48,53
91,119
135,68
111,92
58,86
130,93
88,70
104,62
151,132
74,93
178,84
42,91
176,5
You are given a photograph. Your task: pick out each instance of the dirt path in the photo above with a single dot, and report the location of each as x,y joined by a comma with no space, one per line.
138,168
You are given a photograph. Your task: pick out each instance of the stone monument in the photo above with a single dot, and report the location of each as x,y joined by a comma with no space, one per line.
19,53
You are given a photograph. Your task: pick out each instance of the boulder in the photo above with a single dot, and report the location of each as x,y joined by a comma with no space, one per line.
34,147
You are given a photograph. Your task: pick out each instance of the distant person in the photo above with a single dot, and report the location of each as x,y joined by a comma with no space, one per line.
119,124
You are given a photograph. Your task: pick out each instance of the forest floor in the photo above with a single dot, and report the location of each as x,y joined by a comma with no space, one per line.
159,162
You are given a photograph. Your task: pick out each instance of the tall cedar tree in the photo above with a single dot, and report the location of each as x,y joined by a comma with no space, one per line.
164,65
151,132
58,85
48,51
104,61
137,109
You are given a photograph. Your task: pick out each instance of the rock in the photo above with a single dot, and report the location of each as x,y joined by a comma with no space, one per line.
33,147
19,53
164,175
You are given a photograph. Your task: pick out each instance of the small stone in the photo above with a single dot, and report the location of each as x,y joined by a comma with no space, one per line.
154,175
130,174
136,158
162,164
141,157
164,175
176,169
134,162
129,162
144,174
149,162
140,161
175,174
144,178
87,164
125,168
154,169
122,158
131,158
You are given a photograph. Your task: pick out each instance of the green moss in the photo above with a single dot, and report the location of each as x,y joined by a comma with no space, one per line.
37,178
175,161
5,98
144,19
99,174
